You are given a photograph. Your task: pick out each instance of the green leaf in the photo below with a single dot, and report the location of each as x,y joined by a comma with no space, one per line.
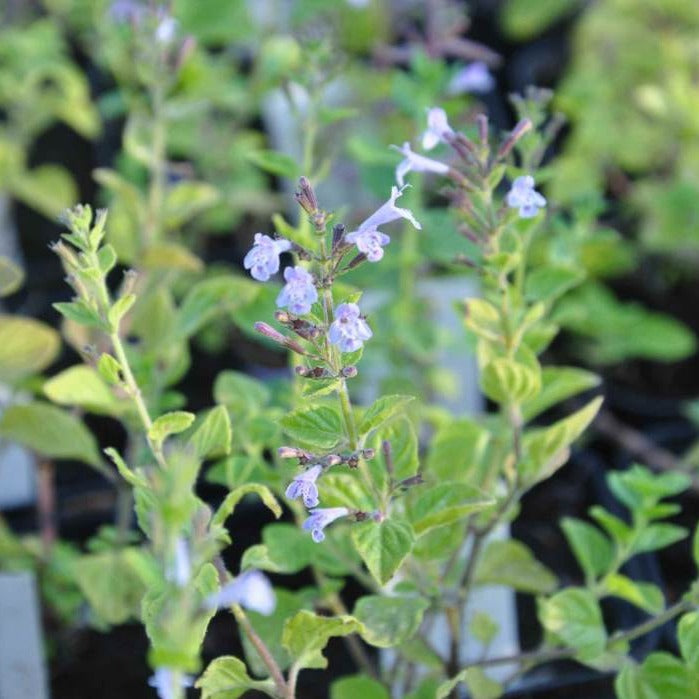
401,435
306,634
483,628
445,503
457,450
111,585
557,384
210,297
119,309
574,616
389,621
621,331
227,677
275,163
695,546
79,312
544,446
688,636
212,437
644,595
131,477
107,258
47,188
169,424
11,276
661,676
658,536
548,283
638,486
234,497
358,686
26,347
480,686
314,428
382,410
484,319
82,386
185,200
50,431
511,563
507,381
593,550
169,255
109,369
240,393
383,546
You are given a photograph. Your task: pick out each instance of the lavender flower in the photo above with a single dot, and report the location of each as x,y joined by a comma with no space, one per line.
349,330
123,11
163,679
263,258
167,28
250,589
299,293
320,518
437,127
304,486
524,197
369,242
180,570
474,77
417,163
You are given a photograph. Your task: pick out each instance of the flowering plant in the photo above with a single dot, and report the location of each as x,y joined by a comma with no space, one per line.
399,496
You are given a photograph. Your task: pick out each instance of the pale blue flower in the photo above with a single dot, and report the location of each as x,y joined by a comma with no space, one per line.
349,330
413,162
370,242
250,589
437,128
524,197
263,258
304,486
320,518
387,213
162,680
474,77
180,569
299,293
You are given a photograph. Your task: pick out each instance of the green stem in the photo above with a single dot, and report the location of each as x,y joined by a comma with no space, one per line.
136,395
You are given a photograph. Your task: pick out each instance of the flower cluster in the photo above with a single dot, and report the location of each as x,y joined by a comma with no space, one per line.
522,195
329,331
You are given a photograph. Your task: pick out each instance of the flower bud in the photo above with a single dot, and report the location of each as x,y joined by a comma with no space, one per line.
482,121
306,197
349,372
291,453
508,144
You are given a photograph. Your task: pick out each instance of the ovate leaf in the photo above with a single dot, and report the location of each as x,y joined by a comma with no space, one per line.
574,616
50,431
389,621
227,678
26,347
319,428
383,546
306,635
511,563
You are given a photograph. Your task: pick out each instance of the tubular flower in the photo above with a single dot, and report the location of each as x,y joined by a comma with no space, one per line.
320,518
304,486
437,128
412,162
524,197
349,330
263,258
250,589
299,293
474,77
